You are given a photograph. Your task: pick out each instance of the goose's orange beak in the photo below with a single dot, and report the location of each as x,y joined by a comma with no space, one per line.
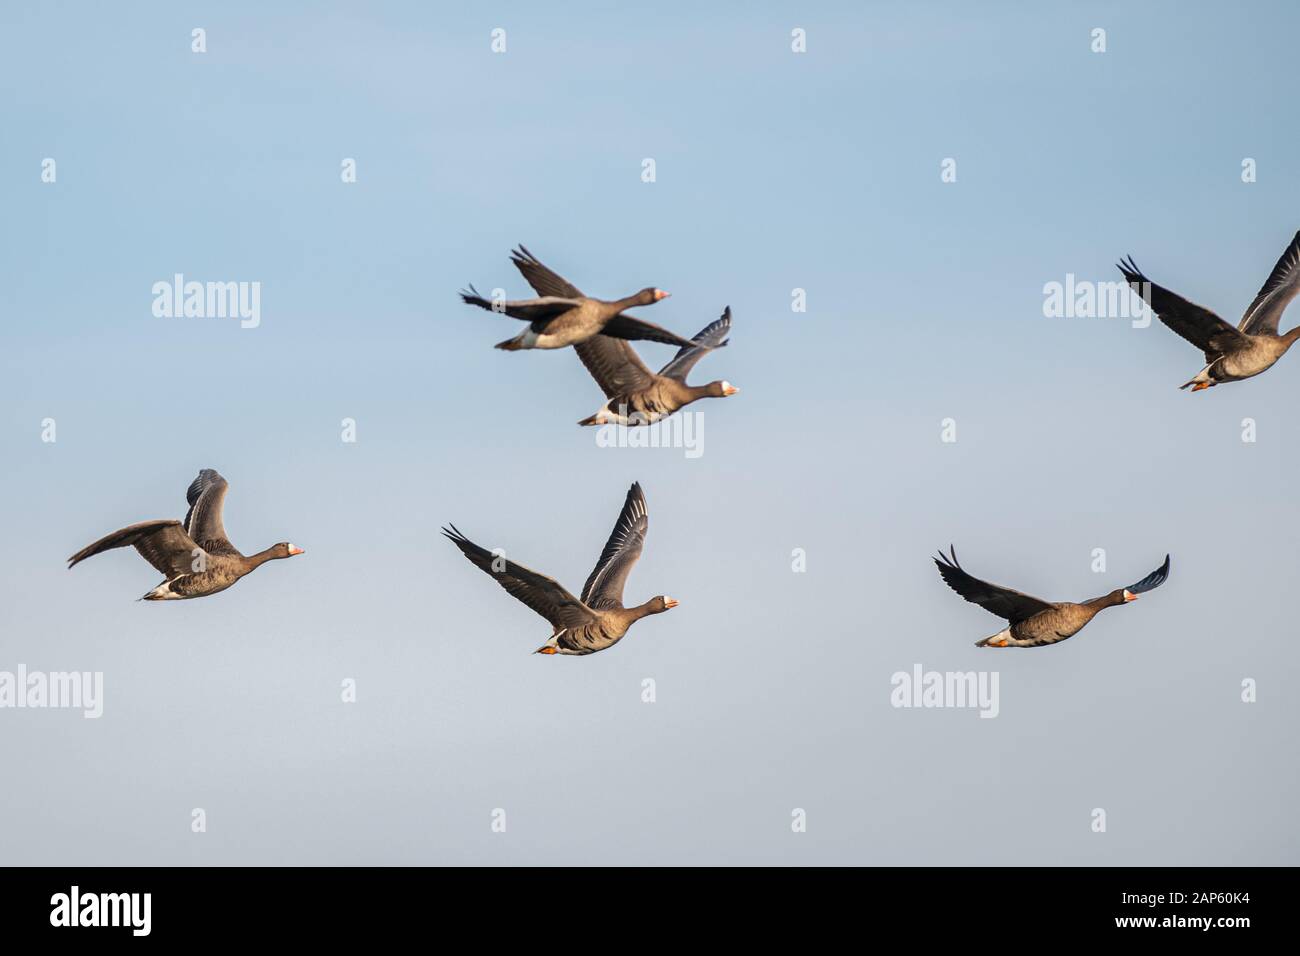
729,390
1129,596
294,549
660,295
670,603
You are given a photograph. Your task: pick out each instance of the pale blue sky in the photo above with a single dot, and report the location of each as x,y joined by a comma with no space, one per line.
775,171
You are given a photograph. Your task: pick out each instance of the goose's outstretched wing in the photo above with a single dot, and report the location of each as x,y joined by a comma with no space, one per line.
1196,324
1014,606
162,543
614,364
544,595
206,497
604,588
530,310
545,281
712,336
1152,580
1276,294
623,326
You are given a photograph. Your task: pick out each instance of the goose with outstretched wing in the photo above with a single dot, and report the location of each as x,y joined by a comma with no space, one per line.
595,621
1231,354
1032,621
637,396
194,555
563,316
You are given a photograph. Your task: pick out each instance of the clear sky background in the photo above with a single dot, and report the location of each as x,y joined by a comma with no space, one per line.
775,171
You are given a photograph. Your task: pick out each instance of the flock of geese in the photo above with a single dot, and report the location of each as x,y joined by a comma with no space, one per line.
197,559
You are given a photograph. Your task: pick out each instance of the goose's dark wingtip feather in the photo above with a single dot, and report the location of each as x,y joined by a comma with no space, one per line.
472,297
1130,270
521,254
944,561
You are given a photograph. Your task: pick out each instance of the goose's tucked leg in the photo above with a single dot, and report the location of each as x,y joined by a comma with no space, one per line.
552,646
1004,638
162,592
1201,380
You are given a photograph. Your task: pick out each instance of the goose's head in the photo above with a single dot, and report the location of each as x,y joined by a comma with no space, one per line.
650,295
662,603
286,550
722,389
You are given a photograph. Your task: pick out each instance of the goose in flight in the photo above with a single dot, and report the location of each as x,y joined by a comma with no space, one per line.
195,555
638,396
1231,354
1033,621
558,319
598,619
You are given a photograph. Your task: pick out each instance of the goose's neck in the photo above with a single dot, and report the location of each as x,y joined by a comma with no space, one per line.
698,391
1290,337
641,610
627,302
257,560
1113,599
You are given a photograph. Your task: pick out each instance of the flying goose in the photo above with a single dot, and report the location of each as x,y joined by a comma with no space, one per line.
1035,622
195,554
598,619
638,396
1231,354
559,319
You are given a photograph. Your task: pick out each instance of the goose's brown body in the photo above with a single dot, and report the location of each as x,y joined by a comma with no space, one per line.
610,626
1056,623
645,406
